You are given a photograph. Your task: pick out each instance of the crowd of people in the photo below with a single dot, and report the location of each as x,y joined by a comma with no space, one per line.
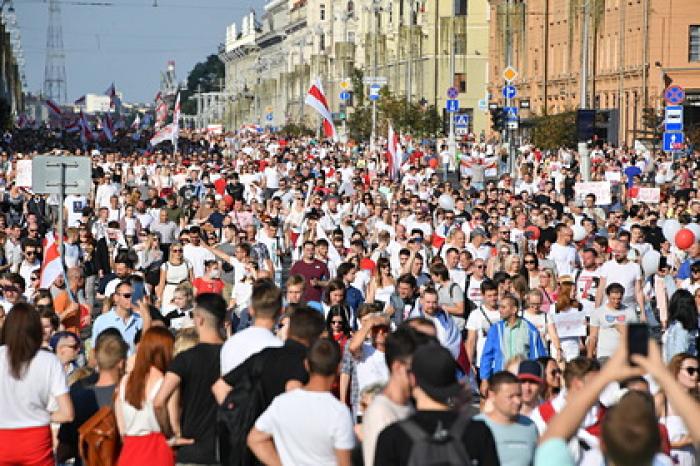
258,299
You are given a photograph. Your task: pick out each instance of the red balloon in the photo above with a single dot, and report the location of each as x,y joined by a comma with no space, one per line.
684,238
535,231
433,163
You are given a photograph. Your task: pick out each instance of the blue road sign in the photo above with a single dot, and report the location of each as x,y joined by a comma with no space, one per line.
270,117
673,141
374,91
345,95
452,105
673,118
452,93
674,95
509,91
461,120
511,113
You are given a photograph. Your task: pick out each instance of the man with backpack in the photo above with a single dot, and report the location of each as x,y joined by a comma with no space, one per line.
194,371
450,294
91,394
325,437
437,433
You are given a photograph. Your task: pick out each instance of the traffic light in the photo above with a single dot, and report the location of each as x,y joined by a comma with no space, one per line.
498,119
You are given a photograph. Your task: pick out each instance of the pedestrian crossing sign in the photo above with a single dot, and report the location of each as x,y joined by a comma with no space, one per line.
461,120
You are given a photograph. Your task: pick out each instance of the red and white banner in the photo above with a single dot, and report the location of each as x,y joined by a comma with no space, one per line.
53,107
163,134
108,127
52,266
316,99
393,153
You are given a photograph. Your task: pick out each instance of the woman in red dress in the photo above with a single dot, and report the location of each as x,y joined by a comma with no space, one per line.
143,441
211,281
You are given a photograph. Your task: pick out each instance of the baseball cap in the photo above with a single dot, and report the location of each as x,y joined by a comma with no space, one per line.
530,370
436,373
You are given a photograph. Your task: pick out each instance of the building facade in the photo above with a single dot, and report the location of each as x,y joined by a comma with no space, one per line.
420,47
628,50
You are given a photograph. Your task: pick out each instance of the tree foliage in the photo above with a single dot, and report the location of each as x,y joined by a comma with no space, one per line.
554,131
209,74
406,117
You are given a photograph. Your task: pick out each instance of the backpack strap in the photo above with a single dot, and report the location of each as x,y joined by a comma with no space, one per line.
413,430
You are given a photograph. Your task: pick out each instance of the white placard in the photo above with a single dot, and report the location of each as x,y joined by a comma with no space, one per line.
650,195
612,176
570,324
601,190
24,174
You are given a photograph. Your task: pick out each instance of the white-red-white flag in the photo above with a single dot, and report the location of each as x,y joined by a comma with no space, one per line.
316,99
163,134
176,122
53,107
73,126
108,127
136,124
393,157
85,131
52,266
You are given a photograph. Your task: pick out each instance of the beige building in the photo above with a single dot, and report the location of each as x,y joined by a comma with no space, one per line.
270,63
634,49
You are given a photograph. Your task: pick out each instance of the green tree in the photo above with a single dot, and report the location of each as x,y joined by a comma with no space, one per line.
555,131
209,74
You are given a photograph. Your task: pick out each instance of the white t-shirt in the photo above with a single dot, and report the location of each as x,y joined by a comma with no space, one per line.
371,367
625,274
244,344
481,325
380,413
25,402
606,320
196,255
326,427
564,257
586,289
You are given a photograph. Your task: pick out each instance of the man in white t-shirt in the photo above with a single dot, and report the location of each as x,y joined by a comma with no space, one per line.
195,253
479,322
628,274
308,425
265,307
370,363
588,280
608,322
562,252
73,208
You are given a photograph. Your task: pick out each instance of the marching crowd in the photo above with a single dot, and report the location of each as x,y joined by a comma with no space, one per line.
257,299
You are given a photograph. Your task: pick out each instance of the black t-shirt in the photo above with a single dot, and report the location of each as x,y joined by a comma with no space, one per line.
394,445
198,369
281,365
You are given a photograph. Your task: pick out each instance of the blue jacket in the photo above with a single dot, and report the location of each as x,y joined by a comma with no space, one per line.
492,358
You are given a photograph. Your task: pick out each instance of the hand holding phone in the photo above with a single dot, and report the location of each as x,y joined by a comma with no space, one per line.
637,340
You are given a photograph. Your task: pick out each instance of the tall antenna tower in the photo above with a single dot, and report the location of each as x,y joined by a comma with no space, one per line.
55,67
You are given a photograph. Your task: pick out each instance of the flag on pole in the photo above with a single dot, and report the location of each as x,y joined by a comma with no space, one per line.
136,124
108,127
53,107
52,266
316,99
393,157
85,132
80,100
73,126
163,134
176,122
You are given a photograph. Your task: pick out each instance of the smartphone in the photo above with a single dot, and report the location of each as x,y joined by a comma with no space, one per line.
637,339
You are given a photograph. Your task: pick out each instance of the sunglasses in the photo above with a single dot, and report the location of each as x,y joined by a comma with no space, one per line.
176,250
10,289
691,371
337,322
125,295
529,262
480,266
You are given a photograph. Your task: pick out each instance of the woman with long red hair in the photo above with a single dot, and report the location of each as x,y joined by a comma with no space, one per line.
143,441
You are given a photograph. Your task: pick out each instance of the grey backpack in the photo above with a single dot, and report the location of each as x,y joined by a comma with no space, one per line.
442,448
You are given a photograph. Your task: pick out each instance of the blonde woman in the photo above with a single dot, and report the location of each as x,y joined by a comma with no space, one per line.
570,346
382,284
547,289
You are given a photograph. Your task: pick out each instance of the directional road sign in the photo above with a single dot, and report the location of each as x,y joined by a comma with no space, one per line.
269,117
452,105
673,120
509,92
374,91
452,93
345,95
674,95
673,141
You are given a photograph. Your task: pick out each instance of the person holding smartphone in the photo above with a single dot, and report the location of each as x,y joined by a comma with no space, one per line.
608,322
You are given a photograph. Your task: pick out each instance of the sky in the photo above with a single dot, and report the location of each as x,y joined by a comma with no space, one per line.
129,43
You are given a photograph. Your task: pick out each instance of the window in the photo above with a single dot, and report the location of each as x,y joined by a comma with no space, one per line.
460,7
460,44
322,12
460,82
351,37
694,43
351,7
322,42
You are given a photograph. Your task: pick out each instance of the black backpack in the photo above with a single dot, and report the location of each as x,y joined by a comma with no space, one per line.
442,448
237,415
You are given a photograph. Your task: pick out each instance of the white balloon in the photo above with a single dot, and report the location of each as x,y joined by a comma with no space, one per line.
650,262
670,228
579,232
446,202
695,228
